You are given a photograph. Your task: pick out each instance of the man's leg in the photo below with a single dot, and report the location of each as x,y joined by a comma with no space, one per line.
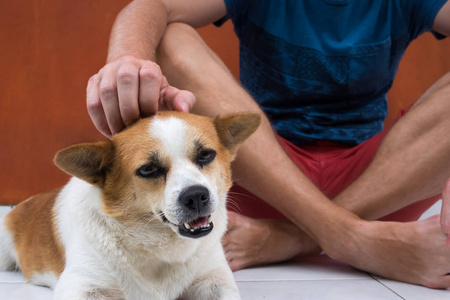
263,168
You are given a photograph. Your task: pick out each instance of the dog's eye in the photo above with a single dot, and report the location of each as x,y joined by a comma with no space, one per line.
150,171
205,157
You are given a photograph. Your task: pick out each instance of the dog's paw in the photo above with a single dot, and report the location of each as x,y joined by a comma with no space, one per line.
212,290
100,294
96,294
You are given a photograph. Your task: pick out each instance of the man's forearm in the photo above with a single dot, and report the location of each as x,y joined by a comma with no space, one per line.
137,30
140,25
411,163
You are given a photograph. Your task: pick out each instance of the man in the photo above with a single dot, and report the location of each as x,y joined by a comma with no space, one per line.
331,101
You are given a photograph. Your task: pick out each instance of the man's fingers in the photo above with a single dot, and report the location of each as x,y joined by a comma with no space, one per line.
184,101
127,91
172,98
94,106
179,100
150,77
110,100
130,88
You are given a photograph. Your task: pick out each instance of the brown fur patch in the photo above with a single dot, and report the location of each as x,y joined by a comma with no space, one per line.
89,161
32,223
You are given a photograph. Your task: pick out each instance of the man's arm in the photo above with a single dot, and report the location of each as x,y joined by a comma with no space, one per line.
131,85
442,25
139,26
379,204
442,21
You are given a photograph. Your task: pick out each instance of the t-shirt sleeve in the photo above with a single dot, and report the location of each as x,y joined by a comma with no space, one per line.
235,9
420,15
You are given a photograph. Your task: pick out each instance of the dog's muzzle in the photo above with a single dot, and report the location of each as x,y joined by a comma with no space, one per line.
195,212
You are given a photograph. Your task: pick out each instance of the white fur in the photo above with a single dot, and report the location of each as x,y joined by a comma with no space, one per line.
97,257
173,134
8,255
46,279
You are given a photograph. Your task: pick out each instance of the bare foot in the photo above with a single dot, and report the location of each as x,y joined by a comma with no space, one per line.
414,252
250,242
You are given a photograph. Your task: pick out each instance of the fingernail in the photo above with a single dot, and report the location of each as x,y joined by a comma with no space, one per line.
185,107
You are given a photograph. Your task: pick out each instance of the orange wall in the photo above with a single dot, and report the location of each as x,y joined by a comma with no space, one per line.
49,49
424,62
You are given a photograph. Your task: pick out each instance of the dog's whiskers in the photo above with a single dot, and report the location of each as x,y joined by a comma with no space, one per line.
235,180
232,203
157,216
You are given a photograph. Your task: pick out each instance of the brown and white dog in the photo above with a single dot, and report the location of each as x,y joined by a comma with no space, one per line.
142,218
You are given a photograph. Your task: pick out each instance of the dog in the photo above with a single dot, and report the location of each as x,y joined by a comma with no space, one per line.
141,218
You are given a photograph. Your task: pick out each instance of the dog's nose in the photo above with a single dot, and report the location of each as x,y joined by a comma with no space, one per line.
195,198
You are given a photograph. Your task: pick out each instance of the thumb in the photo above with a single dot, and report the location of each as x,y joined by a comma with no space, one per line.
183,101
175,99
172,98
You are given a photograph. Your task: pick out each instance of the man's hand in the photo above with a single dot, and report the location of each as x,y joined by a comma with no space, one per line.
130,88
414,252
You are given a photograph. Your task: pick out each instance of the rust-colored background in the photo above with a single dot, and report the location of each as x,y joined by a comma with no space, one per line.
50,48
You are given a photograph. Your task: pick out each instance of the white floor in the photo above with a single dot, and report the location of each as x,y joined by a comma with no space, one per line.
315,278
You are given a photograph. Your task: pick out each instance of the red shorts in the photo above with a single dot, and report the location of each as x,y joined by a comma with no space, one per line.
332,167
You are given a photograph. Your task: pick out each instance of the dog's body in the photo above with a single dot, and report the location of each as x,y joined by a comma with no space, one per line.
142,218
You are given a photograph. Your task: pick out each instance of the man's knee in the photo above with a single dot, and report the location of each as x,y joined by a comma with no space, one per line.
178,41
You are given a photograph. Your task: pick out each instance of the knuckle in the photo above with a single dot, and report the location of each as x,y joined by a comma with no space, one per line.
150,71
93,108
126,76
93,103
93,78
107,68
107,90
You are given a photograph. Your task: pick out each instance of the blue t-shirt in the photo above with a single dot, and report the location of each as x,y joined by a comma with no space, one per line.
320,69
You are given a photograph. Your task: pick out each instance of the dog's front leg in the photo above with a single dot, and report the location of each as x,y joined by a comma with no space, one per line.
80,286
218,284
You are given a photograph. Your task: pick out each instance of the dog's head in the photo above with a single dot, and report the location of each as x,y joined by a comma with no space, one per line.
171,169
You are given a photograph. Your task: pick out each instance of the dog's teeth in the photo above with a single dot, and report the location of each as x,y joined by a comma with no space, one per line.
187,226
209,219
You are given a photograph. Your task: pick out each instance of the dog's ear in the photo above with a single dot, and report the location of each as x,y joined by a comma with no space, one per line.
233,129
88,162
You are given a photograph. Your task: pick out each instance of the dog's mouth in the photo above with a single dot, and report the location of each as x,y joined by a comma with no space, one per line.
197,228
